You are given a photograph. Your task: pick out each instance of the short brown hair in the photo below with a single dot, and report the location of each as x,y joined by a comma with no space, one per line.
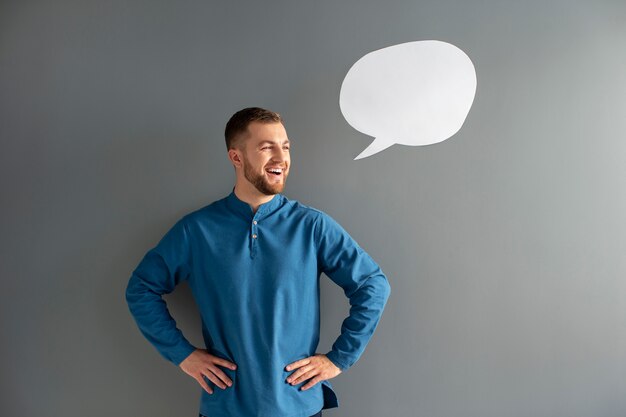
238,123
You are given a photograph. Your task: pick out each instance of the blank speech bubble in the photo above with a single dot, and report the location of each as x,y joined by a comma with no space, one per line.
415,93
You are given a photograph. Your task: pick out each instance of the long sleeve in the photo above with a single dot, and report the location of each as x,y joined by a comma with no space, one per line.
363,282
158,273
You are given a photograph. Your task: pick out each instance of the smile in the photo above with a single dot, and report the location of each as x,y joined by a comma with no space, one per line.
275,171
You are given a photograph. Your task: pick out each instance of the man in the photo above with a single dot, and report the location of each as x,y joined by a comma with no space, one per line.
253,261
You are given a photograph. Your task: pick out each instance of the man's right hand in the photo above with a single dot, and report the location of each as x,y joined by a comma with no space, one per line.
202,364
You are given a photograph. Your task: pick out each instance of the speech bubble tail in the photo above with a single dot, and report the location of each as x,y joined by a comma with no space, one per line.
376,146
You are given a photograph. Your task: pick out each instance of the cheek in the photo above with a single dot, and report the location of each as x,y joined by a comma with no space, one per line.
260,163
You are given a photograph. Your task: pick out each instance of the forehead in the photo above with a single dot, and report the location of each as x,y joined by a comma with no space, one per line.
266,132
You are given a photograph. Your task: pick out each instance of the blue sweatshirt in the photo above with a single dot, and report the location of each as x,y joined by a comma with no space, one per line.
255,279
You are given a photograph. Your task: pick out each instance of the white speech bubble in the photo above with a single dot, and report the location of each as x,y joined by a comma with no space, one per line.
414,93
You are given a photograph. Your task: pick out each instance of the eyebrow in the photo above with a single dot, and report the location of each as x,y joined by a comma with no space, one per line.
272,143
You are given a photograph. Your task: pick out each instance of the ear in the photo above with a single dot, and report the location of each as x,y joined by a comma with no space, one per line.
234,155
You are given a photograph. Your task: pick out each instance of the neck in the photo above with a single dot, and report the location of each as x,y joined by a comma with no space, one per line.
248,193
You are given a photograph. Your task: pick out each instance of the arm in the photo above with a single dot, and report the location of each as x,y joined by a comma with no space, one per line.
159,272
363,282
349,266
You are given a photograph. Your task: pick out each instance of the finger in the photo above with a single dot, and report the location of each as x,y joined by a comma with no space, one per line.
306,376
311,383
221,375
224,363
298,364
299,372
203,384
214,378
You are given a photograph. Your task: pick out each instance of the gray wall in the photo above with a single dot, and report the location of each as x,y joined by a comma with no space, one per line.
504,245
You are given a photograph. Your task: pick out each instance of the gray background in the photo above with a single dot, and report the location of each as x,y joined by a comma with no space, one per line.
504,245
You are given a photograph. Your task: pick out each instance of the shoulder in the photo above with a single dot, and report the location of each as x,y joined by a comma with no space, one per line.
321,221
204,214
295,207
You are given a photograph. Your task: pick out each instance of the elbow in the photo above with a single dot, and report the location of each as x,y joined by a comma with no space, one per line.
128,294
135,291
386,289
131,292
379,288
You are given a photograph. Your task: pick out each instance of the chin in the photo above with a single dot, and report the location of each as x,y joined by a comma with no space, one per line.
276,189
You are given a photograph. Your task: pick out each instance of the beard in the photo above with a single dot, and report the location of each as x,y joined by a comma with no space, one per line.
260,181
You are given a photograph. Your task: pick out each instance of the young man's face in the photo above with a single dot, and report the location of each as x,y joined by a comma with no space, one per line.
266,157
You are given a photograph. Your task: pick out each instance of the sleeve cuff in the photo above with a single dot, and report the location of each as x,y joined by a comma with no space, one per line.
181,353
332,356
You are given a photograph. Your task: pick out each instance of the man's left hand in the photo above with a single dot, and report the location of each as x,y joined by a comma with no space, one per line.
317,368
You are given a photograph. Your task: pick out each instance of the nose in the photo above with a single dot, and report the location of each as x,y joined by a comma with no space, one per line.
280,155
